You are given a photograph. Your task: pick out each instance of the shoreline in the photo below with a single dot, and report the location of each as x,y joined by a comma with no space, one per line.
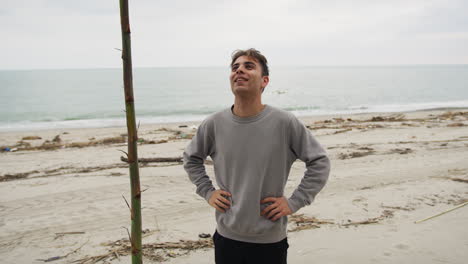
302,117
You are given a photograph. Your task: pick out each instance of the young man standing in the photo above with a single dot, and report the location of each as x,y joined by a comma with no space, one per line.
253,147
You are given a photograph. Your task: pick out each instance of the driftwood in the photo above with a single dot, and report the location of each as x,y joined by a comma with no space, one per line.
305,222
64,256
385,214
444,212
31,138
355,154
57,235
459,180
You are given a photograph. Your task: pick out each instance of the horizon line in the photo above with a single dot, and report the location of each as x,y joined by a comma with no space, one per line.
227,66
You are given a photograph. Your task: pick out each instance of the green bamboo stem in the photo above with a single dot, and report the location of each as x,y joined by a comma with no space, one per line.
135,237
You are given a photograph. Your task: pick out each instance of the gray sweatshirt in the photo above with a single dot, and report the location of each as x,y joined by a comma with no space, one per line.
252,158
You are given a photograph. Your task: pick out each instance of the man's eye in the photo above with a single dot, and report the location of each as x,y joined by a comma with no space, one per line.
234,68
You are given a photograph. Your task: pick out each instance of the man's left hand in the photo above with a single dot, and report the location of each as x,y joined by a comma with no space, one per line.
277,209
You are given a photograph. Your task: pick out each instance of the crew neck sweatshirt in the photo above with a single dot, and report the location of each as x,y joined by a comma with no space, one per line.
252,158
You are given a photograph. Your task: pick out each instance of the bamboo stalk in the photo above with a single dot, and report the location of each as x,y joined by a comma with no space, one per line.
444,212
132,135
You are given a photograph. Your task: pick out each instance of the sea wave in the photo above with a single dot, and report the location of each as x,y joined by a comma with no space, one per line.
383,108
93,123
187,117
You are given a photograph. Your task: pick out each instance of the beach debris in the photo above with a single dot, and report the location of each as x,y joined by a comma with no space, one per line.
16,176
398,208
303,222
182,126
144,141
456,125
442,213
147,160
342,131
50,259
391,118
58,235
112,140
23,144
61,257
385,214
457,171
57,139
344,127
338,119
359,199
452,115
48,145
366,148
204,235
72,170
409,124
154,251
377,118
180,135
459,180
400,151
31,138
355,154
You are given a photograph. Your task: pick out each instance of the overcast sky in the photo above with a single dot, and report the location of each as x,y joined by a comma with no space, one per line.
40,34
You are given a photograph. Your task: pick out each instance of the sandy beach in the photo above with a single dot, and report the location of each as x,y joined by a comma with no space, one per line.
61,194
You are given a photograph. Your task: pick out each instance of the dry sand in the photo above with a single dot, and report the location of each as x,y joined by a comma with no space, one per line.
386,173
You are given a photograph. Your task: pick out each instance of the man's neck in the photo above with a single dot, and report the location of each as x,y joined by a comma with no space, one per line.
246,108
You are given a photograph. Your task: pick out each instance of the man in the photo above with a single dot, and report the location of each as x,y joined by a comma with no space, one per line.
253,147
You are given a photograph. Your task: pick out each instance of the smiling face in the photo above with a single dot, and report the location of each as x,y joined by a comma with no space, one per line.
246,77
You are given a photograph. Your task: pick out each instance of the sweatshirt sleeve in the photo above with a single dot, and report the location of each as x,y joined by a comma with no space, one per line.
201,146
305,147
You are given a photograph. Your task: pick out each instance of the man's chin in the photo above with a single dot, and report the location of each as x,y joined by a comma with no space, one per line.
241,91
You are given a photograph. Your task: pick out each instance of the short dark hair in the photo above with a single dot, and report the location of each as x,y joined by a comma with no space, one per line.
254,54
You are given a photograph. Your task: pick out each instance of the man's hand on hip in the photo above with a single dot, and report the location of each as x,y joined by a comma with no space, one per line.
277,209
218,200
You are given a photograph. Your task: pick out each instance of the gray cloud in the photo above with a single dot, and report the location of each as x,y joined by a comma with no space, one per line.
58,34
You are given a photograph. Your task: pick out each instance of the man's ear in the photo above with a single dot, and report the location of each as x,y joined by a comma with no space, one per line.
265,81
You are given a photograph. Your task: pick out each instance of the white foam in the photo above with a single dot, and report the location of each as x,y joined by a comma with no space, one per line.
114,122
93,123
386,108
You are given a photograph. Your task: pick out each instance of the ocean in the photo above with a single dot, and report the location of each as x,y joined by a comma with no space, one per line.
75,98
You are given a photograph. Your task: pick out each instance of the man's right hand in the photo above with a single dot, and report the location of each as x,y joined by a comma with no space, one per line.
218,200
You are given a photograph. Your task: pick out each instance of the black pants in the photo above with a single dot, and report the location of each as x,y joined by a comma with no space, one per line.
228,251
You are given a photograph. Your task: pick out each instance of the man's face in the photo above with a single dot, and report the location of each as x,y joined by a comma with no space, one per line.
246,77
